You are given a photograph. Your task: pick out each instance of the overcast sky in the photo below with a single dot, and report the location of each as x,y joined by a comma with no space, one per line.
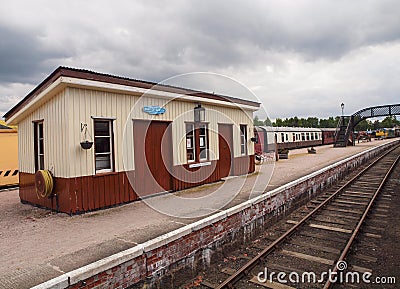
300,58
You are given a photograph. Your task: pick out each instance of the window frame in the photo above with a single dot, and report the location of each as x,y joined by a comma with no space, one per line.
196,127
243,140
38,154
205,147
193,142
111,143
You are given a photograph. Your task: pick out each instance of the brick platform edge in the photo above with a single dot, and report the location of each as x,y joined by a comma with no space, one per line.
158,262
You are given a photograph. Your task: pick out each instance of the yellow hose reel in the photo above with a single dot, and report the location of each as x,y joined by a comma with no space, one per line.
44,183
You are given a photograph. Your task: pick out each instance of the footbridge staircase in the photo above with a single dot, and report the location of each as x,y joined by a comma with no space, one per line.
344,135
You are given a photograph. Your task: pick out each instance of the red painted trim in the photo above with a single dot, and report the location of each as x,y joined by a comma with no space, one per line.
88,193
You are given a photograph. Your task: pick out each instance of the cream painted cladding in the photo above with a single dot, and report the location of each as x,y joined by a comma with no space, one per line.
63,114
83,104
54,115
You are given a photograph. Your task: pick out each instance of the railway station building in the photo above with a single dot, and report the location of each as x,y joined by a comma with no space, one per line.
106,140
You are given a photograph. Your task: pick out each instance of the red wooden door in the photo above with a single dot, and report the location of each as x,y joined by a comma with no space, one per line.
153,157
225,140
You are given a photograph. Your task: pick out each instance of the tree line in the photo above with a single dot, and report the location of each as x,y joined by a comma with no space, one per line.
330,122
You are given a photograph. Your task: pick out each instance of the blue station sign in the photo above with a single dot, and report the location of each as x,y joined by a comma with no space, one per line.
154,110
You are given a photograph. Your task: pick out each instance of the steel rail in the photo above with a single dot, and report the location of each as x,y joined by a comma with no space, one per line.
245,269
361,221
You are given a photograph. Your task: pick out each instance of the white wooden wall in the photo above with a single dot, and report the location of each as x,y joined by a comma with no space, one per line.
64,114
55,116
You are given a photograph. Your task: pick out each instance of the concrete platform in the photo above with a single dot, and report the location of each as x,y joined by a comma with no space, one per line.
39,245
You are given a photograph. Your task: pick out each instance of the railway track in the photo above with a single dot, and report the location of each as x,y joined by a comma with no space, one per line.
319,241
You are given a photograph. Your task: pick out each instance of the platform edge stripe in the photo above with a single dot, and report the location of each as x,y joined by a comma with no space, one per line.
208,220
87,271
166,238
59,282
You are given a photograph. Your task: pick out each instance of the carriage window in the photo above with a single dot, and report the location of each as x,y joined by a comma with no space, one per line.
190,145
312,136
287,137
303,138
103,145
39,145
308,135
243,139
282,137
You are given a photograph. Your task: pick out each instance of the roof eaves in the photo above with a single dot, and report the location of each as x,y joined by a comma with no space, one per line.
96,76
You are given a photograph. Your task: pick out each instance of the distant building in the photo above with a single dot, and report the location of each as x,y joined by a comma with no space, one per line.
173,139
8,155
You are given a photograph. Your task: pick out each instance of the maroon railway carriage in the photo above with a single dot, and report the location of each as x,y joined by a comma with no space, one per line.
328,135
269,138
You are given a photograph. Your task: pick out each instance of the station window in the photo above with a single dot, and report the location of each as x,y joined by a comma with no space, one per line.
203,142
243,139
39,145
190,143
103,145
196,142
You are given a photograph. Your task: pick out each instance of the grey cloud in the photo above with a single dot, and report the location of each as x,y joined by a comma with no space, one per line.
156,40
314,29
22,56
6,102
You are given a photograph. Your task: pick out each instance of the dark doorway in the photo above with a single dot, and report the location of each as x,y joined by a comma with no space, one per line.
225,140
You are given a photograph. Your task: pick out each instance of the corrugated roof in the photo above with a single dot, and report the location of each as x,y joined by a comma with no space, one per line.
96,76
